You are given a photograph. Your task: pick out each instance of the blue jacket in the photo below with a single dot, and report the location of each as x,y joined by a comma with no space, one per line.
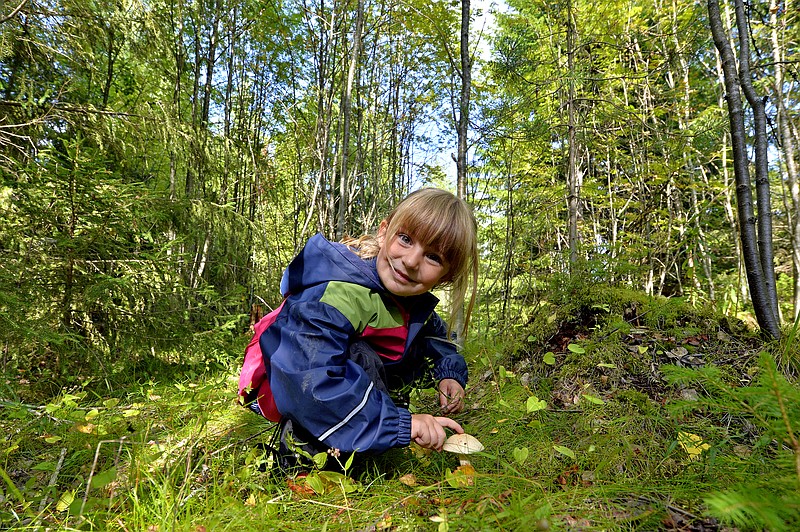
333,298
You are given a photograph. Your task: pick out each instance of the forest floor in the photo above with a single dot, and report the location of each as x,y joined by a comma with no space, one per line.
613,411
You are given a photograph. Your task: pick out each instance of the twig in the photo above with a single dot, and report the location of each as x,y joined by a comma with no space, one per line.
337,506
53,479
239,442
13,13
94,466
667,505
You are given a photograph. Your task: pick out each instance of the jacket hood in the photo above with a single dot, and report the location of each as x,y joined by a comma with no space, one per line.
321,261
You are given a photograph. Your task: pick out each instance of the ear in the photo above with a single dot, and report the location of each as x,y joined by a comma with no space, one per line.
382,232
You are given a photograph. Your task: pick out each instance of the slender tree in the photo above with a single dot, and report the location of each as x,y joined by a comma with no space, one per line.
346,119
464,98
760,272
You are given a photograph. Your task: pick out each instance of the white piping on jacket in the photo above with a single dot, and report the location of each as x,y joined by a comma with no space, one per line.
349,416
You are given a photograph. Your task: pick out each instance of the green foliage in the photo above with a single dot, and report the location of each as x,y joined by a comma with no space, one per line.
767,418
600,435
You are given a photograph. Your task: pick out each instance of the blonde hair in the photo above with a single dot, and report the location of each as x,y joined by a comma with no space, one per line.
444,222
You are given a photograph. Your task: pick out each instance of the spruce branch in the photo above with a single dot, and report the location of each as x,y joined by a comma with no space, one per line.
774,381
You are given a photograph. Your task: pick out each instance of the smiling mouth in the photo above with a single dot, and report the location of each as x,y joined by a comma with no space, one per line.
400,274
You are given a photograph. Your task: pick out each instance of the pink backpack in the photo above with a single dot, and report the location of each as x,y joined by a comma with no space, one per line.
254,375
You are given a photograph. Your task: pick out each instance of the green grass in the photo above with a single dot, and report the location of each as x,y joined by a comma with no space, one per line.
601,452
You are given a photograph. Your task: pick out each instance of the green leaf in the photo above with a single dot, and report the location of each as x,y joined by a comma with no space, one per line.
520,454
534,404
531,338
607,365
315,483
104,477
575,348
320,459
566,451
340,481
642,349
44,466
593,399
349,461
549,358
111,403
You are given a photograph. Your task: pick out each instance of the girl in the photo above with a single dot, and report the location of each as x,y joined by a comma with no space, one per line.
357,327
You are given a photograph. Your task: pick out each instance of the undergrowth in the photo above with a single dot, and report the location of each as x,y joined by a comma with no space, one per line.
620,413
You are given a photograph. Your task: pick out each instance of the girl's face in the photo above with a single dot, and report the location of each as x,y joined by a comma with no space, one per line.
406,266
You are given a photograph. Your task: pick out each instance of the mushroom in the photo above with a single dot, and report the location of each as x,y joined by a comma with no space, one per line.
462,445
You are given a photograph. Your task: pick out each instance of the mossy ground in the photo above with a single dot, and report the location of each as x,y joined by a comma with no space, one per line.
584,417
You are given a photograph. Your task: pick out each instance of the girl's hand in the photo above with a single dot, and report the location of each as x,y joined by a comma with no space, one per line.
451,396
428,431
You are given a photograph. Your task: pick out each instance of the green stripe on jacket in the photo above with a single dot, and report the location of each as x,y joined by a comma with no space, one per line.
361,306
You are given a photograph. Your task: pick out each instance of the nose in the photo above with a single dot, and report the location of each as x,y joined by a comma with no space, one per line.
413,257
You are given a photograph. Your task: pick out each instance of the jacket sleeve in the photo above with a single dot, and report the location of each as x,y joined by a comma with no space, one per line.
314,383
443,353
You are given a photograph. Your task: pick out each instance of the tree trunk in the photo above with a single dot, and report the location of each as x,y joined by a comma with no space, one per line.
759,291
788,147
346,106
763,201
574,177
463,115
463,128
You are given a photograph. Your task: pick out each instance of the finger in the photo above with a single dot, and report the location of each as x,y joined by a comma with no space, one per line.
444,398
438,438
446,422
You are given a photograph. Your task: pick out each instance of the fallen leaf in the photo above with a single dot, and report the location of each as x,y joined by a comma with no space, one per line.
409,480
461,477
299,486
692,444
64,501
384,523
86,428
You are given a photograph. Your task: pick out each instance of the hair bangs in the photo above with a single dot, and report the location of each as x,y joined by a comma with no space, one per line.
440,227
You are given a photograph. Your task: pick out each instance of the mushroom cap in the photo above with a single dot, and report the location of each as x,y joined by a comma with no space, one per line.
462,444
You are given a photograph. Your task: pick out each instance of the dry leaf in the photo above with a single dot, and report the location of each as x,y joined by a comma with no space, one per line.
462,476
692,444
384,523
299,486
409,480
86,428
